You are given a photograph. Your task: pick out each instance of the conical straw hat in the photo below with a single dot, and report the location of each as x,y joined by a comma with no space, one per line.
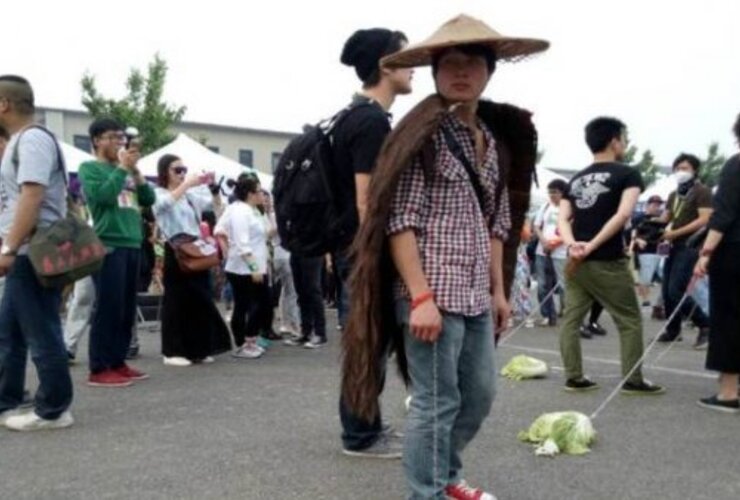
464,30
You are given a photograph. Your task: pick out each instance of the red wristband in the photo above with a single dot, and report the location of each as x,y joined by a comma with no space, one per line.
420,299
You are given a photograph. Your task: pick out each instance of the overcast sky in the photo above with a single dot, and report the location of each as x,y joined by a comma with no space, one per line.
670,70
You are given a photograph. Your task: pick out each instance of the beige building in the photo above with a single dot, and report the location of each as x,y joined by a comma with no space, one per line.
256,148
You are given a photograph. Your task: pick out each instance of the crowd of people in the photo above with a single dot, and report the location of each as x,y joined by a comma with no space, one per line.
433,234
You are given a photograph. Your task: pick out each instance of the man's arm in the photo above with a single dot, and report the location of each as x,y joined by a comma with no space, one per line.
362,181
564,225
617,221
102,189
692,227
425,322
500,304
26,218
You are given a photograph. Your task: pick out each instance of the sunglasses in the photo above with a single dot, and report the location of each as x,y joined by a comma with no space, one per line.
180,170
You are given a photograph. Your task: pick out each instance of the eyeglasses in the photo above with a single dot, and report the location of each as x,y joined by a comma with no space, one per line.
114,137
180,170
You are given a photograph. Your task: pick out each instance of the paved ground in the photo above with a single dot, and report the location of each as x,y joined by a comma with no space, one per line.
269,429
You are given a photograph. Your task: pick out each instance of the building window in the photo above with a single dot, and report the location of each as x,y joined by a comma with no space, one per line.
82,142
246,157
275,160
215,149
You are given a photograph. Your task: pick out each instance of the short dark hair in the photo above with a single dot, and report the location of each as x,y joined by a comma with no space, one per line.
4,133
736,128
558,185
396,43
692,160
601,131
245,184
18,91
163,168
471,49
102,125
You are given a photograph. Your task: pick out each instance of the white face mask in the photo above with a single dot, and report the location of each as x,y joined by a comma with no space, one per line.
683,177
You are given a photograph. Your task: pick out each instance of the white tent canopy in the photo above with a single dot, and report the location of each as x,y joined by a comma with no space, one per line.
198,157
73,157
661,187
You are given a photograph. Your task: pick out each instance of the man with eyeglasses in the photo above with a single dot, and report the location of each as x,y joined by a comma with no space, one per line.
115,191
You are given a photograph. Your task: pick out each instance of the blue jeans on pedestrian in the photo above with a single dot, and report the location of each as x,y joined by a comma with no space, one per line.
115,309
452,388
29,320
678,270
545,281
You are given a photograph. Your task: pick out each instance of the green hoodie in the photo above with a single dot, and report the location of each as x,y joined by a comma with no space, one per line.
114,201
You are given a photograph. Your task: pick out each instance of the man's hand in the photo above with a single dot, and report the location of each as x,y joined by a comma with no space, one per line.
6,262
669,235
702,265
501,313
579,250
129,158
641,244
258,278
425,322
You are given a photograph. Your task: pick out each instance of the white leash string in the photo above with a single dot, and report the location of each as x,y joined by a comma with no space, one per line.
660,356
638,364
535,311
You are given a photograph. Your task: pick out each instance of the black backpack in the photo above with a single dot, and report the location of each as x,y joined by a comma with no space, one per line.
303,192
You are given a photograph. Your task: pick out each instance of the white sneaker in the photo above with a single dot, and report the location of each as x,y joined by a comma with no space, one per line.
208,360
176,361
529,323
4,416
248,352
32,422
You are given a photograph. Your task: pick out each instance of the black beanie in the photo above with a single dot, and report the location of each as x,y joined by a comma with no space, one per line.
364,49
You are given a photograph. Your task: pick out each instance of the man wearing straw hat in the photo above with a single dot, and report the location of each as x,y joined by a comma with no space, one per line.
436,252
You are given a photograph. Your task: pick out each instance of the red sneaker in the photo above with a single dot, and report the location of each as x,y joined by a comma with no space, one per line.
108,378
462,491
131,373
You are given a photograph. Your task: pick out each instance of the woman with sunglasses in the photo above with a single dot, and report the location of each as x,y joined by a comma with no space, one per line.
192,327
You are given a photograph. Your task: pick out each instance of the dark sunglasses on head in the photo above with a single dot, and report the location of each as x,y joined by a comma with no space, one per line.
180,170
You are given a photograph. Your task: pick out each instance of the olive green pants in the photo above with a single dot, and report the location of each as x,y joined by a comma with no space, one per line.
611,284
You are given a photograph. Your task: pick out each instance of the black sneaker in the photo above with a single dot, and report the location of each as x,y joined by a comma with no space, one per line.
585,332
642,388
670,337
702,340
714,403
597,329
580,385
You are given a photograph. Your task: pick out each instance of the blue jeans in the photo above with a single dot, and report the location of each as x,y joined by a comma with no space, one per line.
547,277
452,389
115,309
29,319
677,273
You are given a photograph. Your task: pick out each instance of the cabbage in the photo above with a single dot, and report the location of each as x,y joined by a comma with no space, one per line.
567,432
522,367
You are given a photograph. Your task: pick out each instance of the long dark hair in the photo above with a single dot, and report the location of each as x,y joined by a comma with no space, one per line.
163,168
244,184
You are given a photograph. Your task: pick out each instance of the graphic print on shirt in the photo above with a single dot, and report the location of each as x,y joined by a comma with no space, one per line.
127,198
587,189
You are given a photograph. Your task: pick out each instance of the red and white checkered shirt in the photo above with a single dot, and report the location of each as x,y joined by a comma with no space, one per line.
452,232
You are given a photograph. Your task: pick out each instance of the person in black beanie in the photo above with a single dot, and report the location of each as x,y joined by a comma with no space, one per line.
358,138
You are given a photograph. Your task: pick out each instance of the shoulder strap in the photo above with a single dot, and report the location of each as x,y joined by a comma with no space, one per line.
15,158
458,153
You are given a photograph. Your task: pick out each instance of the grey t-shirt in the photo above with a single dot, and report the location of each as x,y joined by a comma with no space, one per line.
38,163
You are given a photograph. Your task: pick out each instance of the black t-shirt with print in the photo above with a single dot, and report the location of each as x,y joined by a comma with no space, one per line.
357,142
595,194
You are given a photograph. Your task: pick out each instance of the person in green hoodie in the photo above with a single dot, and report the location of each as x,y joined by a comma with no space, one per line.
115,191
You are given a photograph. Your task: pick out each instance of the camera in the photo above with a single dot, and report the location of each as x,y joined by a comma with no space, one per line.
132,137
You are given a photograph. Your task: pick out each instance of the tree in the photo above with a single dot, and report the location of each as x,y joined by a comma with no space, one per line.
142,107
712,165
647,166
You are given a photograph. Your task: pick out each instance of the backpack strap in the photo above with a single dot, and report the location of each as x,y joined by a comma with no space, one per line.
457,151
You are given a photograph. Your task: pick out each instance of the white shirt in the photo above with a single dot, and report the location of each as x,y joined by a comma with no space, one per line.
547,222
246,231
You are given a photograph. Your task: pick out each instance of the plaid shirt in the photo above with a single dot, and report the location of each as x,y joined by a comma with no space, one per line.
452,232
